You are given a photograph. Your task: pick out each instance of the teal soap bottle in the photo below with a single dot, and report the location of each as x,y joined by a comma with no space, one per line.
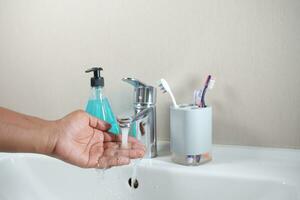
98,104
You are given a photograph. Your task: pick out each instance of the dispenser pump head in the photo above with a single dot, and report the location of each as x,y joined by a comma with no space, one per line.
97,80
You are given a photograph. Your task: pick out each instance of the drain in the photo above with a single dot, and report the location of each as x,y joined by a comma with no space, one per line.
135,183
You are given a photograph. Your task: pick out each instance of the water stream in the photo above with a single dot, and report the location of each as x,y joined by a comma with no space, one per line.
109,184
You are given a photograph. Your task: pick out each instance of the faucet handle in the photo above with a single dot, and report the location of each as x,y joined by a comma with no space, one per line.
136,83
143,94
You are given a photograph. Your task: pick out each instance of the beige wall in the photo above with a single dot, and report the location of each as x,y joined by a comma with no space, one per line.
251,47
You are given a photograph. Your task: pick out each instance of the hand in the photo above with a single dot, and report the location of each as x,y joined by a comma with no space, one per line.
83,140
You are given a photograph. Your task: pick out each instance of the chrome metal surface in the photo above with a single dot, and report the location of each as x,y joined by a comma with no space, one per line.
145,114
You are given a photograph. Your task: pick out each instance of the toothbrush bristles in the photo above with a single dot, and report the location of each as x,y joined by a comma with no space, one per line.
165,88
211,83
161,87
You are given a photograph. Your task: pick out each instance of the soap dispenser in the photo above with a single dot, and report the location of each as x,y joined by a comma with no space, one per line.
98,104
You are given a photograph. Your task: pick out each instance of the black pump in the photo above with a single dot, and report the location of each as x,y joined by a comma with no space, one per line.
97,80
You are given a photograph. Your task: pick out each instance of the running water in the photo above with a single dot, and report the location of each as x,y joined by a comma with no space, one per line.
125,131
136,162
107,178
126,124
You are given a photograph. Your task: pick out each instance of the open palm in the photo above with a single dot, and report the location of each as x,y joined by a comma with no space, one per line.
83,140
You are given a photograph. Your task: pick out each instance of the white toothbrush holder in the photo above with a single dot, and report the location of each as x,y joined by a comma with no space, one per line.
191,134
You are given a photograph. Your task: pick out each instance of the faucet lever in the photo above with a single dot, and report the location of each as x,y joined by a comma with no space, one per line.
136,83
143,93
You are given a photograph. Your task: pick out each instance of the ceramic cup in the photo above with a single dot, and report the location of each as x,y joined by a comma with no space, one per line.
191,134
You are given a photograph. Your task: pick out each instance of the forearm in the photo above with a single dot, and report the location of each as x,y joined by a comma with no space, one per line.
23,133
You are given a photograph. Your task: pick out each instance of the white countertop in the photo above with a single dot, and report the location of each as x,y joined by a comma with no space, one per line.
278,164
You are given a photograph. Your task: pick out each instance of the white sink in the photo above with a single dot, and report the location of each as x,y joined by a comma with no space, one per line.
236,173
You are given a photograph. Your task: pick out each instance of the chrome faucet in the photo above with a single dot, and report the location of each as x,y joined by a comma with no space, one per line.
144,118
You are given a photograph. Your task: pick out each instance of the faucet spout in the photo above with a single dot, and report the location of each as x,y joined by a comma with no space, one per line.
143,122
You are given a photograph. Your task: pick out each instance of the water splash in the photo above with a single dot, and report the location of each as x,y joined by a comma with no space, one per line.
106,189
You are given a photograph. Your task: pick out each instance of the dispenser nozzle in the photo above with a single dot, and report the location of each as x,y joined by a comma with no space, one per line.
97,80
96,71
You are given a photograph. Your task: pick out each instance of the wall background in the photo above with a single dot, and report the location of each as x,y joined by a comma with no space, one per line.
251,47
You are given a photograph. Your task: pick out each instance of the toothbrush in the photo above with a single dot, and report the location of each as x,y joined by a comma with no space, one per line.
197,97
209,83
164,87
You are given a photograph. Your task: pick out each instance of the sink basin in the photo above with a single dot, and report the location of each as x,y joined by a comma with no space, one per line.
235,173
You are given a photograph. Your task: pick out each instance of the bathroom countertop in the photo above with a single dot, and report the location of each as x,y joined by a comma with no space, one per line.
279,164
235,172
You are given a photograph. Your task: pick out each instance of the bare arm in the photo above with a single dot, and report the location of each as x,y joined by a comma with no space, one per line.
78,138
23,133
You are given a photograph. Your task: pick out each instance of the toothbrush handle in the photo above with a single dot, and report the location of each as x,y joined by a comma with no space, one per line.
204,91
173,99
